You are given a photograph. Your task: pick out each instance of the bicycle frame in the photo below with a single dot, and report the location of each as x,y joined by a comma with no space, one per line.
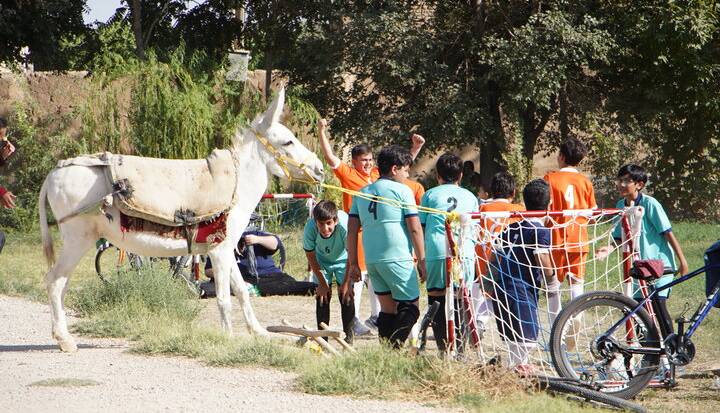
695,321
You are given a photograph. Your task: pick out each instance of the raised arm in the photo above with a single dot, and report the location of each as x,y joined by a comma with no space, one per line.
417,144
330,156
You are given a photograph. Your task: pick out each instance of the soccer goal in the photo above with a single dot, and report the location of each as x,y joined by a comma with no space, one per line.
503,304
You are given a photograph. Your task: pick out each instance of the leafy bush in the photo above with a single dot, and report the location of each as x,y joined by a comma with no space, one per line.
36,154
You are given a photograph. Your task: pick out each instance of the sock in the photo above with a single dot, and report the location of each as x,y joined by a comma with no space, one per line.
553,297
322,312
577,286
407,315
374,302
519,352
439,324
347,312
386,326
357,293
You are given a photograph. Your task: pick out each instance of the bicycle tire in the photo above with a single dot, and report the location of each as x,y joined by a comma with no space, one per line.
130,262
425,323
561,355
593,395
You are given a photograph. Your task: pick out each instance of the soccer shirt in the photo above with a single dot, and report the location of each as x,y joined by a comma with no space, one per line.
521,241
446,197
385,234
417,189
331,250
655,224
351,178
491,227
569,189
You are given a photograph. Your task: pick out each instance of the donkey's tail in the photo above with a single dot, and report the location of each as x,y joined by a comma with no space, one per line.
47,241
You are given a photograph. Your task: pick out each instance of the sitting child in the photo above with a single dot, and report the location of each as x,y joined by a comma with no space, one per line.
324,241
523,263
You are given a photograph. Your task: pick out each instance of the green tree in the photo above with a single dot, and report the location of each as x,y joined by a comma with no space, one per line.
47,28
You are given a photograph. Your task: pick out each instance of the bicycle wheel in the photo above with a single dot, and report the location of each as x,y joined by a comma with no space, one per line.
111,260
578,354
576,390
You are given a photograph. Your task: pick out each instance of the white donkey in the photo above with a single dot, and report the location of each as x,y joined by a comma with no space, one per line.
265,147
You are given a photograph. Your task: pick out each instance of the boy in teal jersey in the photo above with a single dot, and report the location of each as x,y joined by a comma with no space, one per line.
391,230
656,240
324,240
447,196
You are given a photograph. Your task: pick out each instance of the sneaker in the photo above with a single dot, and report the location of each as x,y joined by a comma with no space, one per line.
524,370
371,322
360,329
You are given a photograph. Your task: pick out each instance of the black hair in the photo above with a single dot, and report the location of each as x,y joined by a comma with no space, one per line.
573,150
393,155
360,150
3,123
502,185
325,210
468,166
449,167
636,172
536,195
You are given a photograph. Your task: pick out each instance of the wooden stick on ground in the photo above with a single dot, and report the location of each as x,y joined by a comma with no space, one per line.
324,344
344,344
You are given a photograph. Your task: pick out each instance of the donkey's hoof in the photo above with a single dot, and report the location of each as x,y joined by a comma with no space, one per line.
67,346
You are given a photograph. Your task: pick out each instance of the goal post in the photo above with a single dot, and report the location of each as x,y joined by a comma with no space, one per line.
511,314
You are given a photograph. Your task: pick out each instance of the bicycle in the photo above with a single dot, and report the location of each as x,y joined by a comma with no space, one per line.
584,392
623,358
110,259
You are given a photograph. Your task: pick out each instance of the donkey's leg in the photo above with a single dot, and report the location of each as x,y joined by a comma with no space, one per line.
222,262
56,282
239,287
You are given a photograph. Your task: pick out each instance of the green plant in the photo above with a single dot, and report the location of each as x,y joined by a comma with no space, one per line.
36,155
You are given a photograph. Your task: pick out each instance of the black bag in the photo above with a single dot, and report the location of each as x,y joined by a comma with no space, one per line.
280,283
712,276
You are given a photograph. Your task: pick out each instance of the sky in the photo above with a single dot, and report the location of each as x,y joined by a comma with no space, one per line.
100,10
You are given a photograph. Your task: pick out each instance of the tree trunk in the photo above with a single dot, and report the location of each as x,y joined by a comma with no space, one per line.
268,74
532,127
491,147
136,11
564,103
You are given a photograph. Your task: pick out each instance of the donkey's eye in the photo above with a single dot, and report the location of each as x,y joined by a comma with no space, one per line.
288,143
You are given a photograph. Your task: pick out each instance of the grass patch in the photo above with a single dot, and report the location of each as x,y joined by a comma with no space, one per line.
157,313
64,382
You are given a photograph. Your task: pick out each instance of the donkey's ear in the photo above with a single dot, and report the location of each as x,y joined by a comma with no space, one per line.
274,111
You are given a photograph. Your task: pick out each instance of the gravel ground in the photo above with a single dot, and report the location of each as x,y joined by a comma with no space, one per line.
102,375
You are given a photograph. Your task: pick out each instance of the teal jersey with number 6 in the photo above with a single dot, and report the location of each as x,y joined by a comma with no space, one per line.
385,235
331,250
449,198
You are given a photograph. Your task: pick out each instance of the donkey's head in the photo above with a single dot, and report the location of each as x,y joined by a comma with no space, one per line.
286,156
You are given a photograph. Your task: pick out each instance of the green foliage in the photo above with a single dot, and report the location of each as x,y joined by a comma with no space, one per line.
46,27
37,153
115,52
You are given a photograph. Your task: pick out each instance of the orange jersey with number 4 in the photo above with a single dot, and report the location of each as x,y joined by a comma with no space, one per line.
569,189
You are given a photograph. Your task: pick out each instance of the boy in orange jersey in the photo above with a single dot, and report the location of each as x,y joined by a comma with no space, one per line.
363,172
569,189
502,190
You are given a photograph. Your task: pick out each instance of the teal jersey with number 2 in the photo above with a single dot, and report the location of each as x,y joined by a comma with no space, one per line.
385,235
449,198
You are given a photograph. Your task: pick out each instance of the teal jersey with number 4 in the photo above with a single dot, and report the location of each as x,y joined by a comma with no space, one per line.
385,235
331,250
449,198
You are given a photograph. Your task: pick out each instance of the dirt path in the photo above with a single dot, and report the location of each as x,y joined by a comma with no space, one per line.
102,375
